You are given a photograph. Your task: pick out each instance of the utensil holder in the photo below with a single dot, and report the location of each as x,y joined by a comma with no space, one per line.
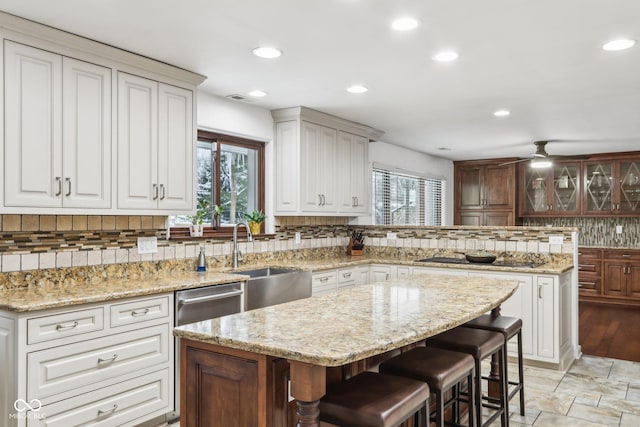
354,250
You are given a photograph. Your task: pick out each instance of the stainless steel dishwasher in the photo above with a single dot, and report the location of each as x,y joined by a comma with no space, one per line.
195,305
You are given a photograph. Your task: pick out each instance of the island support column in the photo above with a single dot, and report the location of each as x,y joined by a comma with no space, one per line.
308,385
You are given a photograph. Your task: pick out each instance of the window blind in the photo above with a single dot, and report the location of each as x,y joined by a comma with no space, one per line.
401,198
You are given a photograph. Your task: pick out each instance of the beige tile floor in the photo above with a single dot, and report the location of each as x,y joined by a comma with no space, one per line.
594,392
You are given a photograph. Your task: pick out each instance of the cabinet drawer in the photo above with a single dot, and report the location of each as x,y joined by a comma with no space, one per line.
626,255
589,285
139,311
588,267
65,368
66,324
589,253
348,275
323,282
118,404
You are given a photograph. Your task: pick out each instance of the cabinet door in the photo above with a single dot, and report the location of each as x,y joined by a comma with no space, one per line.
326,173
471,218
344,163
286,167
535,199
498,218
360,183
633,280
468,186
362,275
87,135
565,189
137,142
598,188
547,320
33,131
628,188
497,186
310,167
175,148
614,278
380,273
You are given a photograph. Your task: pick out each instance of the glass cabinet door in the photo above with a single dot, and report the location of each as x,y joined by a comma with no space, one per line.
598,187
535,197
565,188
629,189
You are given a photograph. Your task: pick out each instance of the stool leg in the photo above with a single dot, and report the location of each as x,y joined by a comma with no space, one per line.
422,417
520,373
471,400
504,392
478,392
439,409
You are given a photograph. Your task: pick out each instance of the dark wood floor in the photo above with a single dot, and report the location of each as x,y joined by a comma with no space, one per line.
610,331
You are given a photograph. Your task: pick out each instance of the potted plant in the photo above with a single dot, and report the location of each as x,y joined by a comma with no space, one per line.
255,218
217,213
196,229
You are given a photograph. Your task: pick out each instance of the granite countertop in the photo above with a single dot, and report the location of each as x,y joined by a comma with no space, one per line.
558,267
35,298
353,324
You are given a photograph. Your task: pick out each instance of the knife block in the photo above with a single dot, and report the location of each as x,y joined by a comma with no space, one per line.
354,252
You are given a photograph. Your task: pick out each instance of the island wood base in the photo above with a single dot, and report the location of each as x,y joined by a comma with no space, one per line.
220,386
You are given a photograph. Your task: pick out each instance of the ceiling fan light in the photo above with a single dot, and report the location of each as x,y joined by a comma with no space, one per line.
541,163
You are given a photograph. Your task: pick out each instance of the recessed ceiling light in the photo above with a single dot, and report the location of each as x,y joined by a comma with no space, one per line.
357,89
619,44
267,52
501,113
445,56
404,24
257,93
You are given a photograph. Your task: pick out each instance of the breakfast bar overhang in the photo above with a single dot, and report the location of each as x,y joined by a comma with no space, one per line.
230,365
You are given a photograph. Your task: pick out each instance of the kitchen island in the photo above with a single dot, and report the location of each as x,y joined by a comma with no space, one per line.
234,369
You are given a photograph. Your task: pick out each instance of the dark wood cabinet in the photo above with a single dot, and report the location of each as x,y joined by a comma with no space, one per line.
485,193
609,275
551,192
589,271
612,187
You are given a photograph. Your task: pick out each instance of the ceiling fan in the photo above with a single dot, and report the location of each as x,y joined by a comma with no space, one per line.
541,159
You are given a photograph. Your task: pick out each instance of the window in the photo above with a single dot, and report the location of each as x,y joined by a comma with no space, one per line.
229,174
404,198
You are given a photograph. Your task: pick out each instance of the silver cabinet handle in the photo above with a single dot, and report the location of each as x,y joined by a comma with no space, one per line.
155,191
162,190
539,292
386,276
346,275
323,279
59,181
357,202
209,297
68,181
319,199
67,326
626,255
323,200
108,359
136,313
103,412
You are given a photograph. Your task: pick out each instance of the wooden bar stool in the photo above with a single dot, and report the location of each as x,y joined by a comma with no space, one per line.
508,327
479,344
443,370
375,400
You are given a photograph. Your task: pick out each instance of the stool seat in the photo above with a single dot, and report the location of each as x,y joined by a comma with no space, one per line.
443,370
373,400
508,326
439,368
476,342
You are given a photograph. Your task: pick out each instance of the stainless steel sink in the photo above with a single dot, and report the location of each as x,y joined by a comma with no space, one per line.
272,285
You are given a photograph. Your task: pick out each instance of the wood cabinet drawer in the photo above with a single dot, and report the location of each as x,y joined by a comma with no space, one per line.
139,311
589,253
589,284
69,367
323,282
625,255
119,404
65,324
588,267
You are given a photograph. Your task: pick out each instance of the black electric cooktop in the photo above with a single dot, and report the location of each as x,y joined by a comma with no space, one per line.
448,260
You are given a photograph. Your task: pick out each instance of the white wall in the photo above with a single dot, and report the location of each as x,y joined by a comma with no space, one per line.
414,161
245,120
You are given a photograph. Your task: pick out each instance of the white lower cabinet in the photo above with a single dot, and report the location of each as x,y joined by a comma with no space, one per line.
94,364
324,282
380,273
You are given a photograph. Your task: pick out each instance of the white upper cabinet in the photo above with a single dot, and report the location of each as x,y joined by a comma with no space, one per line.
155,145
58,130
92,129
353,173
321,164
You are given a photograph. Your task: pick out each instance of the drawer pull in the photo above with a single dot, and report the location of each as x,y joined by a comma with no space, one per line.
67,326
136,313
324,279
346,275
108,359
103,412
626,255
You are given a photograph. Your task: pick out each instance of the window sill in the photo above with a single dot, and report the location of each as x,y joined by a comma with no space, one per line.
182,234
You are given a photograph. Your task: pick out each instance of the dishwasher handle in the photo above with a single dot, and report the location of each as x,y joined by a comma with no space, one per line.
206,298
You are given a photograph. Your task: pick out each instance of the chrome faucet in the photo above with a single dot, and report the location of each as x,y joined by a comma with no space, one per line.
237,255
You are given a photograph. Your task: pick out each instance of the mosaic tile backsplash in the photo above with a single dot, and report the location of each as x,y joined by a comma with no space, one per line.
598,231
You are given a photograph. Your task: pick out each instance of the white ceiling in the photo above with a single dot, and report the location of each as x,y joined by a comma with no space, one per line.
540,59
